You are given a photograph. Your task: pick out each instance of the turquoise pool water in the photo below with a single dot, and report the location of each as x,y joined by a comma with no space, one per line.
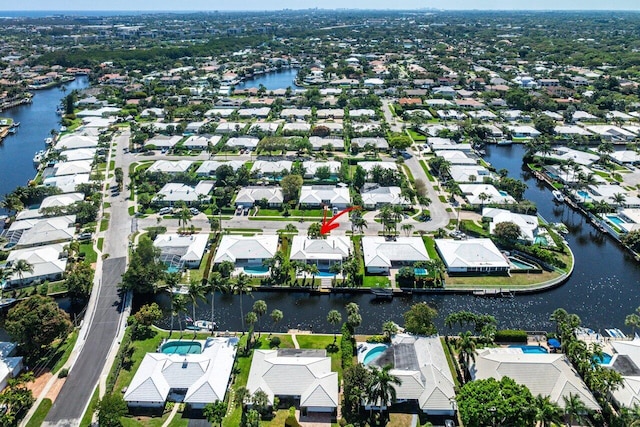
530,349
503,193
615,219
520,264
583,195
420,271
182,347
541,240
373,354
325,274
256,270
604,360
172,269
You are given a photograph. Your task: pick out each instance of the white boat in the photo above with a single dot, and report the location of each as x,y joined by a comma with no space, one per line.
505,142
557,195
40,155
205,324
48,141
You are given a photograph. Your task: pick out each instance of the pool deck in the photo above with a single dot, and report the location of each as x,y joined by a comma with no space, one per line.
366,347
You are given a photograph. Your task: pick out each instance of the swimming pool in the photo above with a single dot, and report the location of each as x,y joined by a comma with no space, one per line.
256,270
172,269
583,195
182,347
374,353
325,274
530,349
503,193
604,360
541,240
616,220
520,265
420,271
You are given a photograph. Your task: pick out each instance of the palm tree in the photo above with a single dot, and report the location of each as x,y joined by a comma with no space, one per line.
216,283
21,267
276,316
251,318
259,308
619,199
574,408
381,391
5,274
483,198
197,292
359,223
313,271
184,216
407,228
547,412
389,328
178,307
334,318
242,285
466,346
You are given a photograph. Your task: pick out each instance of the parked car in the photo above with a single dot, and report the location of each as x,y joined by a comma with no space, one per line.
194,211
84,237
165,211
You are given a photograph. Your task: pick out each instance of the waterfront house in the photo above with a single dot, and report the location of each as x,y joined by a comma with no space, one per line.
193,379
78,154
469,173
471,256
321,252
426,379
67,183
544,374
381,254
311,168
246,251
177,193
209,167
612,133
456,157
528,224
483,194
626,362
170,166
181,250
77,167
74,141
316,196
523,131
375,196
42,231
303,375
60,200
48,263
249,196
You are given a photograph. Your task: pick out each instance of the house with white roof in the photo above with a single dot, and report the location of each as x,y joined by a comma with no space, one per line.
482,194
296,127
201,142
381,254
471,256
295,113
193,379
77,167
421,365
626,362
369,166
569,154
219,112
528,224
377,143
79,154
523,131
450,115
209,167
249,196
456,157
264,167
363,112
543,374
304,375
246,250
163,141
625,157
182,249
230,127
254,112
67,183
571,131
374,196
243,142
48,263
583,116
74,141
311,168
266,127
482,115
175,193
325,195
469,173
607,193
60,200
10,364
42,231
170,166
336,144
321,252
611,133
330,113
619,115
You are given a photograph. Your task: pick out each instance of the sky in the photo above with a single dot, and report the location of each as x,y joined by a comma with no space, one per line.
209,5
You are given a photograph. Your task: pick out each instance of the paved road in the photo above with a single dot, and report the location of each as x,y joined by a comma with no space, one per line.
104,319
77,390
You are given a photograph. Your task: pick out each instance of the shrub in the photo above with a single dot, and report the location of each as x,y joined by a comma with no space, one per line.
511,335
274,342
63,373
376,339
347,347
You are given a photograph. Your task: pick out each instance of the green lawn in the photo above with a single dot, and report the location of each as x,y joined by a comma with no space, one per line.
100,243
90,255
376,282
322,342
64,351
104,224
430,244
132,210
425,168
38,417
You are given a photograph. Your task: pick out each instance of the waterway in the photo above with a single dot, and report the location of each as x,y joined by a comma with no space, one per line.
602,290
36,122
271,81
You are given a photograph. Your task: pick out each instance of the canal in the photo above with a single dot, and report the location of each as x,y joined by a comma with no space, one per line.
36,122
602,290
271,81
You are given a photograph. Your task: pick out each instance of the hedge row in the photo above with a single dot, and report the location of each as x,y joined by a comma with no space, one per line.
511,335
347,347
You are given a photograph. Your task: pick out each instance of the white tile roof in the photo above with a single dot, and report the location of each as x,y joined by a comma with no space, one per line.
61,200
334,248
249,195
73,141
544,374
380,252
205,375
471,253
170,166
176,192
209,167
271,167
190,248
528,223
45,261
309,377
232,248
373,196
67,183
72,168
79,154
318,194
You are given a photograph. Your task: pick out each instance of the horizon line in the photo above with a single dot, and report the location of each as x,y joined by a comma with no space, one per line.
427,9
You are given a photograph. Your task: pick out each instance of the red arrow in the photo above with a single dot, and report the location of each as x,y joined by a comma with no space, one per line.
327,226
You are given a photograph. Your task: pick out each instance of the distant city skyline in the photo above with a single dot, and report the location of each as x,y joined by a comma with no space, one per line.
255,5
